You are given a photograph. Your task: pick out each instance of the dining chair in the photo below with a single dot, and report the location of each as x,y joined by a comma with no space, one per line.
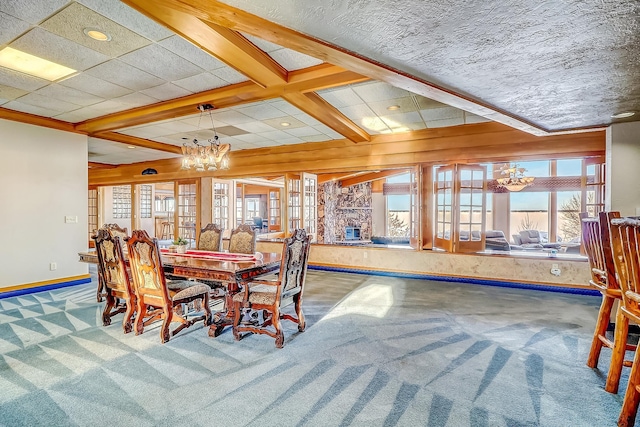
116,231
625,239
243,239
112,269
155,300
210,238
258,307
596,241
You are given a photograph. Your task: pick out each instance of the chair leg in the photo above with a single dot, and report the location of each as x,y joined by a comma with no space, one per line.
142,313
236,320
165,333
106,314
126,322
207,311
601,328
278,327
298,305
619,349
632,396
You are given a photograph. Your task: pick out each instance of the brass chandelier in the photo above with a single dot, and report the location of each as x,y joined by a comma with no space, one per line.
513,177
209,155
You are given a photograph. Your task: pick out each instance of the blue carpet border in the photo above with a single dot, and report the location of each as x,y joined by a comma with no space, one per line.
43,288
486,282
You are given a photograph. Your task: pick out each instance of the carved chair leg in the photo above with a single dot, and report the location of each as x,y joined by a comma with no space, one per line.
142,313
601,328
278,327
236,320
632,396
619,348
298,305
165,334
128,315
106,314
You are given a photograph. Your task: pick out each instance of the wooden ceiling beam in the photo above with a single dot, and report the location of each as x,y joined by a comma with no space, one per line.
315,106
219,13
32,119
227,45
138,142
309,79
326,177
360,179
96,165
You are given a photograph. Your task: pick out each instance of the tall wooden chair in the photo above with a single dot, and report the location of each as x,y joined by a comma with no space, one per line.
115,278
273,295
152,290
597,246
115,231
243,239
210,238
625,239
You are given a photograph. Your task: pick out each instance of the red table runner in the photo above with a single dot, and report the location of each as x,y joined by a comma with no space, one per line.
221,256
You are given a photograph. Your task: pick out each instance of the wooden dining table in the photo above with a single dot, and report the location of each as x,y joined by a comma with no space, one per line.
227,268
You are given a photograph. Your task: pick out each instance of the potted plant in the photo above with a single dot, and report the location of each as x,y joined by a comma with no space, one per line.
179,245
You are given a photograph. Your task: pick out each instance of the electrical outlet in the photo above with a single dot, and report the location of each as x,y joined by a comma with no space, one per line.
53,266
70,219
555,270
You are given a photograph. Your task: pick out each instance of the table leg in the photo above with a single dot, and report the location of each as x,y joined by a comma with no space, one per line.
224,318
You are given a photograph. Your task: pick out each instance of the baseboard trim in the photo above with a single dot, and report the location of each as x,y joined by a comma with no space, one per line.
31,288
486,282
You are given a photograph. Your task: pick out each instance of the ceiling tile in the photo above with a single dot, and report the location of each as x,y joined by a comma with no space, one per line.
20,80
307,119
285,107
342,97
260,111
32,12
135,99
31,109
71,22
106,107
57,49
407,104
400,119
426,103
200,82
52,104
125,75
256,126
276,123
166,91
275,135
76,116
314,138
231,117
474,118
444,123
292,60
441,113
229,75
231,131
191,53
128,17
328,132
8,92
161,62
95,86
290,141
264,45
12,27
302,131
68,94
252,138
379,91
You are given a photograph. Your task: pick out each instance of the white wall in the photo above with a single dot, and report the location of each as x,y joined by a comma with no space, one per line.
623,168
43,179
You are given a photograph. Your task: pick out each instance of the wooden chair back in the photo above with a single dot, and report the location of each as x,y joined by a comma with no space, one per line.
147,271
114,276
596,245
624,240
116,230
243,239
293,266
210,238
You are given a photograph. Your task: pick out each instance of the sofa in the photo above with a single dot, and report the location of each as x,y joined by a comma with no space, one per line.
534,239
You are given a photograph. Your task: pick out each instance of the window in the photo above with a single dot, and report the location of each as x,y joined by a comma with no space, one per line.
187,210
252,207
121,201
398,205
93,212
221,204
145,201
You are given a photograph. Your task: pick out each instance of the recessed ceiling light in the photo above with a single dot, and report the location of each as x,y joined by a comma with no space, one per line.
285,124
393,107
98,35
29,64
622,115
131,146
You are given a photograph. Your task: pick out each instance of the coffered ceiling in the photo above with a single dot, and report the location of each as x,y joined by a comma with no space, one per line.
289,72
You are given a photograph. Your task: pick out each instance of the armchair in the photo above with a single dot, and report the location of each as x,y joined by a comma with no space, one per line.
210,238
270,296
115,231
153,292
